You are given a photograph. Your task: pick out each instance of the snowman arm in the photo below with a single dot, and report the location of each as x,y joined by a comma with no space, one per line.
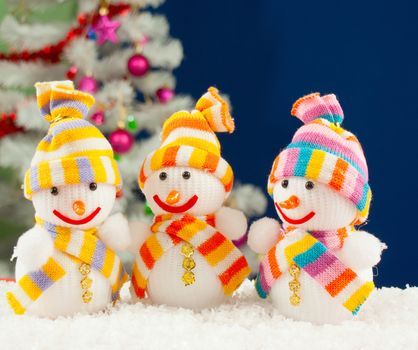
140,231
263,234
114,232
231,223
361,250
33,248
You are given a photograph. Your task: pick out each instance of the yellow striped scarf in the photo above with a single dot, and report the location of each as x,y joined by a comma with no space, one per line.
169,230
82,247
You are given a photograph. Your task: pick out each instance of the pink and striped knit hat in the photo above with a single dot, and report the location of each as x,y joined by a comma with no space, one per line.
323,151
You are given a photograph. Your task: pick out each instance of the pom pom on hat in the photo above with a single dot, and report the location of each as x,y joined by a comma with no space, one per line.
188,140
313,106
58,99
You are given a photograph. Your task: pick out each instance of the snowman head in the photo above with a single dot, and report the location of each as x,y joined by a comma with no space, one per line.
187,173
73,177
184,190
320,180
311,205
82,206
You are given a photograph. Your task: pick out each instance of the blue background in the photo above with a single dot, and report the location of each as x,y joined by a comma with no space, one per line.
265,54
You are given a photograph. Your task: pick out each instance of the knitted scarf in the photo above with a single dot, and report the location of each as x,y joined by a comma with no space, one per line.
169,230
314,254
80,246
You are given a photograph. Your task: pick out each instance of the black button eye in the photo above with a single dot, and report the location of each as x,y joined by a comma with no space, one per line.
309,185
54,191
93,186
285,183
186,175
163,176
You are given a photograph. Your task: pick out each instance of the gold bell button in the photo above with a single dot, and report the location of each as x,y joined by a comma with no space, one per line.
187,250
294,286
86,283
294,270
84,269
188,278
87,296
189,264
295,299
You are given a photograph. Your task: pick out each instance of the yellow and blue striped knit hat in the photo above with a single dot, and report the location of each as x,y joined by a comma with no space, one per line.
74,151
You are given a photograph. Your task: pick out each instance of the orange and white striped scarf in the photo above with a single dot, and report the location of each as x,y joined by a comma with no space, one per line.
169,230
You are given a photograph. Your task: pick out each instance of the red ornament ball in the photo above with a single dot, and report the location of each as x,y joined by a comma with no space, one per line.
88,84
8,126
72,72
138,65
121,141
98,118
165,94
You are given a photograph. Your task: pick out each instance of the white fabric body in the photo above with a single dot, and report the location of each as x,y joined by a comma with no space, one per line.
332,211
316,305
165,285
64,297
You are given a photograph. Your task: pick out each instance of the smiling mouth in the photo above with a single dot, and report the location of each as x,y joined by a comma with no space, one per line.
77,222
176,209
295,221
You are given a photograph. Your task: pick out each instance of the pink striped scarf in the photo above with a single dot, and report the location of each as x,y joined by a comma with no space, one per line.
314,254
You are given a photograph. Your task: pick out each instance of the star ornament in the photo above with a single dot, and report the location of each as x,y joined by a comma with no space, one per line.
106,30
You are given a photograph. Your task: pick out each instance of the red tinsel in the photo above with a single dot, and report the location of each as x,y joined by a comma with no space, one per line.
7,279
8,126
52,53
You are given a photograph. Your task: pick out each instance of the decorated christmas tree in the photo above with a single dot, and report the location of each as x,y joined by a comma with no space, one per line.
123,54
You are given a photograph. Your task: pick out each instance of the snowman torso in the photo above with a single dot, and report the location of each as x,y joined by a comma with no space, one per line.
184,191
166,285
316,305
64,297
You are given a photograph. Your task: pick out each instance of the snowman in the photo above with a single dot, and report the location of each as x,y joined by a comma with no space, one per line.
318,267
67,262
187,258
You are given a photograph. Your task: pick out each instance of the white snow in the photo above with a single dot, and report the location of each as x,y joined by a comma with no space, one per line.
389,321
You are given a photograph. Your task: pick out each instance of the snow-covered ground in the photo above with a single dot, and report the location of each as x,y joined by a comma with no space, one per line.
389,321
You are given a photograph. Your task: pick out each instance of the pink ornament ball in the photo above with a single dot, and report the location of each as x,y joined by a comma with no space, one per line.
98,118
165,95
121,141
138,65
88,84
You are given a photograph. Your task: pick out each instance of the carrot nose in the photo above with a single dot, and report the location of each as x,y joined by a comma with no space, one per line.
173,197
291,203
79,207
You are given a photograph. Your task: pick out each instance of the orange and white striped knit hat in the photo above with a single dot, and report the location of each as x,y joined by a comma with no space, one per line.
74,151
188,140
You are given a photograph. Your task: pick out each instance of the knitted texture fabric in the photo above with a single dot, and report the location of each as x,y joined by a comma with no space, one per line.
314,254
323,151
188,139
169,230
74,151
82,246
